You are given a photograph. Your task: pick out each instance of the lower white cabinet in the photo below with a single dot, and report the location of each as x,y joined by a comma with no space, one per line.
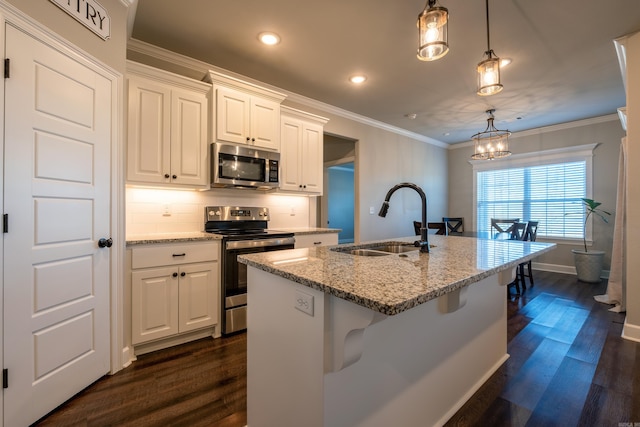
318,239
175,289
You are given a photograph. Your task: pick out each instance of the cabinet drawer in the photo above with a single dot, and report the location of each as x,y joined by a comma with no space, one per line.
172,254
312,240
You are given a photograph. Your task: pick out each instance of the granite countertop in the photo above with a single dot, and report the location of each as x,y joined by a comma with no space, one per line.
309,230
192,236
196,236
395,283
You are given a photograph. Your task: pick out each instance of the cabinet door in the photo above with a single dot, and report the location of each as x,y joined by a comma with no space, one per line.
189,138
232,115
199,296
290,153
149,115
312,158
154,300
265,124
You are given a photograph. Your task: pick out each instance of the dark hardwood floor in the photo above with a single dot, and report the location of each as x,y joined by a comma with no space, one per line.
568,367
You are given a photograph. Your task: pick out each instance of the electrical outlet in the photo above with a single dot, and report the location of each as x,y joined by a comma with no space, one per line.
304,303
166,209
372,210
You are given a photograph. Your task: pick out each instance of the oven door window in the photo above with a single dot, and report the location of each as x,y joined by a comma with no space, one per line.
241,168
235,273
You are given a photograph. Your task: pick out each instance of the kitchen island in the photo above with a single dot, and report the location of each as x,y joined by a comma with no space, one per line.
337,339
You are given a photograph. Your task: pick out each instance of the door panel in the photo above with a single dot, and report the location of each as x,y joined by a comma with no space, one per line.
57,195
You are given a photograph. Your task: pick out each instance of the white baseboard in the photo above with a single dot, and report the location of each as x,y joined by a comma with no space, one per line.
564,269
631,332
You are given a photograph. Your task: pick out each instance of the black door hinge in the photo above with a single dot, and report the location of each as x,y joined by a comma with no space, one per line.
5,378
5,223
7,68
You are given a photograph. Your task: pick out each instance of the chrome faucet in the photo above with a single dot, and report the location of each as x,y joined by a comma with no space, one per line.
423,243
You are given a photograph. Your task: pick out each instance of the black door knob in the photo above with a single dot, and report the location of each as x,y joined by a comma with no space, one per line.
175,274
105,243
174,176
183,274
166,175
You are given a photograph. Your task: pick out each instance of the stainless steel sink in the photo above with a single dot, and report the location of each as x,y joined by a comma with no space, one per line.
394,248
368,252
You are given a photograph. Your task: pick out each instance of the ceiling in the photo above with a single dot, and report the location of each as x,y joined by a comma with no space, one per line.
564,68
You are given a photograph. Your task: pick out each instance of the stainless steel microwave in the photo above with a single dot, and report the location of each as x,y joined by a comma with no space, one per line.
244,167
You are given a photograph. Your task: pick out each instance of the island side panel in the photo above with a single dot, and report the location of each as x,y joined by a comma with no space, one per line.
421,366
285,353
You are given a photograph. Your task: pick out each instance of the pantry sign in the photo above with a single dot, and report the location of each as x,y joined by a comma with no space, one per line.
89,13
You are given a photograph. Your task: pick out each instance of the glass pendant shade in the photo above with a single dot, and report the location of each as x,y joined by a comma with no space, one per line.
491,143
489,76
432,32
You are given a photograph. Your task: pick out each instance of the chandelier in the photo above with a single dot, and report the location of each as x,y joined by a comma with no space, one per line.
432,32
489,69
491,143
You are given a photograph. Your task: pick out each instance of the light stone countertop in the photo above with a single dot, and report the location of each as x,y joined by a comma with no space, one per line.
395,283
308,230
193,236
196,236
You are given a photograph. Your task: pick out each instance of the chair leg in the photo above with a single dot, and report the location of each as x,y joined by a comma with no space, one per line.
530,274
521,274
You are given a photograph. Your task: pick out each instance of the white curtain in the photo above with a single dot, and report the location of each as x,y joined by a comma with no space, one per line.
616,288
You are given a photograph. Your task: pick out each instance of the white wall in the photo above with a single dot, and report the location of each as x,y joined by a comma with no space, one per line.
632,325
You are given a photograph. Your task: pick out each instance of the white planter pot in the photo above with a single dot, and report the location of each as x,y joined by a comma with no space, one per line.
588,265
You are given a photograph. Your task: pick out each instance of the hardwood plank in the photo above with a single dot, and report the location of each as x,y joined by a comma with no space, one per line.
568,366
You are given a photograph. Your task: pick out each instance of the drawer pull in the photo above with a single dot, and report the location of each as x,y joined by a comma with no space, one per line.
179,255
317,243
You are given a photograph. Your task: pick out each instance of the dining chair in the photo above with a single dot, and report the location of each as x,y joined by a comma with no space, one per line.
502,227
530,235
439,226
517,232
453,225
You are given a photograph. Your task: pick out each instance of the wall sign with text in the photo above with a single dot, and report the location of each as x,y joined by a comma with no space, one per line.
89,13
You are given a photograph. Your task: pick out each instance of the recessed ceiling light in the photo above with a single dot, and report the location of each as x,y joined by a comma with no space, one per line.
269,38
357,79
504,62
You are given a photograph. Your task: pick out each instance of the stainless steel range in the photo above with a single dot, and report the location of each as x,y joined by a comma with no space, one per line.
244,231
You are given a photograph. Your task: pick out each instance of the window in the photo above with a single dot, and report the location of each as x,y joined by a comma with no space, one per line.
545,187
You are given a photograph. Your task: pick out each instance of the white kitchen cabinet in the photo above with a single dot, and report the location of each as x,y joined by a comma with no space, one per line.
167,129
243,113
175,289
316,239
301,151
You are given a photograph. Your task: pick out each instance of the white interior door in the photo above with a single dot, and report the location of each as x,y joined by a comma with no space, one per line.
57,196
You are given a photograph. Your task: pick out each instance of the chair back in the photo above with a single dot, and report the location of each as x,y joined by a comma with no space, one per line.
453,225
417,225
532,231
518,231
439,226
500,226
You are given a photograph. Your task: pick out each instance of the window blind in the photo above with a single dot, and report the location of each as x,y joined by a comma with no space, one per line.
548,193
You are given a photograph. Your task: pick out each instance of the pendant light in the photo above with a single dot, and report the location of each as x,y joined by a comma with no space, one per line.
489,69
491,143
432,32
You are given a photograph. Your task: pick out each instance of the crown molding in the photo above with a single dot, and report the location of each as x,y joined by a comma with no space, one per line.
192,64
547,129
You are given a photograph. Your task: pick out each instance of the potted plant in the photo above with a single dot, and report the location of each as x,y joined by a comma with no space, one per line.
589,263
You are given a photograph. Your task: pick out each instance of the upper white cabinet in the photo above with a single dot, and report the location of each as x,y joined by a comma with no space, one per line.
243,113
301,151
167,128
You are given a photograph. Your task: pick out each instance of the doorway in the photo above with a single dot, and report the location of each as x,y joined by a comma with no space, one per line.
339,201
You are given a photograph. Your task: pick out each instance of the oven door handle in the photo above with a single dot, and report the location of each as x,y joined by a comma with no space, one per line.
259,243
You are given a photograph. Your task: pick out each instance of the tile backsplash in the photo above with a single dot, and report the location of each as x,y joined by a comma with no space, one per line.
151,211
